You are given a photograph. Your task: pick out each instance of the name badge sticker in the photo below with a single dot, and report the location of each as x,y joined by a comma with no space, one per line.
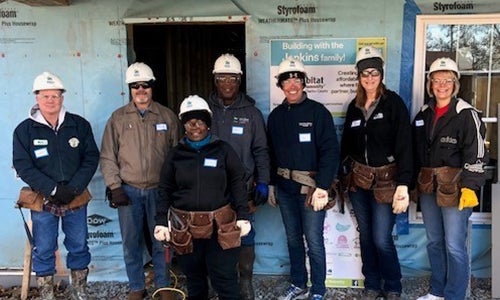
161,127
210,162
355,123
237,130
304,137
419,123
39,153
37,142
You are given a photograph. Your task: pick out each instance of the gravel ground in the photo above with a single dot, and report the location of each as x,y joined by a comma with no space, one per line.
266,287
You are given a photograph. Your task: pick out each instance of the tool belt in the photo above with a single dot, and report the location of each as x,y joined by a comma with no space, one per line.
306,178
379,179
444,181
34,200
188,225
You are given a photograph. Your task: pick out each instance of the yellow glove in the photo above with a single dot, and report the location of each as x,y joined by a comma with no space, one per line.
319,199
400,200
467,199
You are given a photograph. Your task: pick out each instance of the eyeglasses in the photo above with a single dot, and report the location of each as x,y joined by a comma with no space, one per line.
137,85
231,79
373,73
448,81
194,124
50,97
291,81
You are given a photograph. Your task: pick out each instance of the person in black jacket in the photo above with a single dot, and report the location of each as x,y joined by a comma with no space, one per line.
55,153
237,121
450,151
202,209
304,158
376,156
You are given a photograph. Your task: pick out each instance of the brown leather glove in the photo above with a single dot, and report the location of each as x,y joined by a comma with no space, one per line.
117,197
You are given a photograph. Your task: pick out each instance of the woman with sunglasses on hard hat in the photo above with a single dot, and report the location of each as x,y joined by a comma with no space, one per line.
202,210
376,167
449,155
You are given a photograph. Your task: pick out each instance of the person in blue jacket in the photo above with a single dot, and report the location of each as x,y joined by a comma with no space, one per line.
237,121
55,153
304,155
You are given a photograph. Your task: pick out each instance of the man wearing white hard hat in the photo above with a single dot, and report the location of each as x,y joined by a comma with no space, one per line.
304,159
239,122
55,153
136,140
203,210
450,155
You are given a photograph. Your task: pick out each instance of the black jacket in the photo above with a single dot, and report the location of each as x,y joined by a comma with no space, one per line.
456,140
302,137
383,139
202,180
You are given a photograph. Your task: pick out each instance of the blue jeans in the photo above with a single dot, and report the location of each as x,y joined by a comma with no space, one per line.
446,229
378,253
143,203
300,221
45,233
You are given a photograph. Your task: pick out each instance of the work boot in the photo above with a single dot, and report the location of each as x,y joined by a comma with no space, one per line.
166,295
247,257
79,284
46,287
137,295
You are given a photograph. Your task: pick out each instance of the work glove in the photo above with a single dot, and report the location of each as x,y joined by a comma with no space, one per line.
261,193
64,194
161,233
467,199
319,199
117,197
244,226
400,200
271,198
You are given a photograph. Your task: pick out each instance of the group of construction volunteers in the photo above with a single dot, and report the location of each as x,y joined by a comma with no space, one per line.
196,190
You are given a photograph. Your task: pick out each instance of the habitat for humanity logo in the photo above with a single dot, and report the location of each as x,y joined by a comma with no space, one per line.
97,220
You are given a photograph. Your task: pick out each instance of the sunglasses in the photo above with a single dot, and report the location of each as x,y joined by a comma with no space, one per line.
194,124
291,81
373,73
436,81
137,85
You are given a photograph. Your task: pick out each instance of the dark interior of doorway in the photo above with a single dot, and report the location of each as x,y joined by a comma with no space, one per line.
182,56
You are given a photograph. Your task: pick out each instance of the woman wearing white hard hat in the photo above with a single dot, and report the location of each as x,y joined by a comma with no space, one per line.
376,157
449,155
302,141
203,210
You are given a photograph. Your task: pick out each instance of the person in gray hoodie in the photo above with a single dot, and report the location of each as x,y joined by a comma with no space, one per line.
237,121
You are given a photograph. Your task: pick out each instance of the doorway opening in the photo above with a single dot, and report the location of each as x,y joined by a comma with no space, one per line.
182,56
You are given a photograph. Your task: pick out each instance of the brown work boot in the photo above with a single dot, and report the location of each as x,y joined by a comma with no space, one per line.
245,266
166,295
137,295
46,287
79,283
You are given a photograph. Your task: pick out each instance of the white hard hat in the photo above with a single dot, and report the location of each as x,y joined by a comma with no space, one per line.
139,72
291,65
443,64
47,81
227,63
368,52
194,102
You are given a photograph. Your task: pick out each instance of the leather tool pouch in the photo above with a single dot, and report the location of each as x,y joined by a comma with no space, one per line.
362,176
30,199
228,234
181,239
425,181
385,185
448,186
201,225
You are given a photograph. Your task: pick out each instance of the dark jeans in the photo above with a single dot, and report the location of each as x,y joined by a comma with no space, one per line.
209,259
378,253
